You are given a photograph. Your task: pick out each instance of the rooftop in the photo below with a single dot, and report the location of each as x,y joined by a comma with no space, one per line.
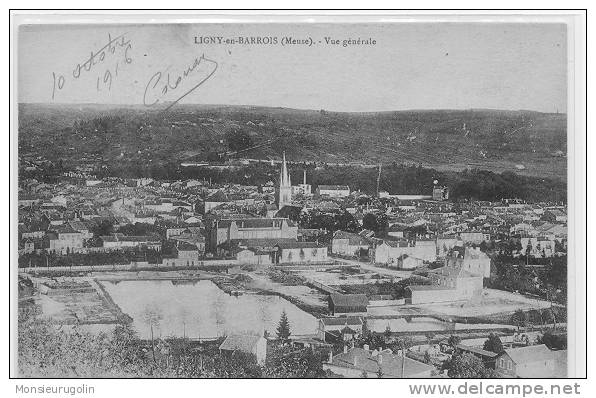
349,300
240,342
390,364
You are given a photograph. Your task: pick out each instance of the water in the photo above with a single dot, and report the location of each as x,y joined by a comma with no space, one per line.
202,310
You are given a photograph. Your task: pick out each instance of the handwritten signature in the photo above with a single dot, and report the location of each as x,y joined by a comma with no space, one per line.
105,77
162,82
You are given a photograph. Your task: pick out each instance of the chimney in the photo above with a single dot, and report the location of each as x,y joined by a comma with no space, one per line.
330,356
366,347
345,349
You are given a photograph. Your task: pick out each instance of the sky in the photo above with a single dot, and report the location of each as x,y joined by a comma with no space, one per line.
411,66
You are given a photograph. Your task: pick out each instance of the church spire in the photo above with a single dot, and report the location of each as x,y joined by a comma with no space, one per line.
285,185
285,176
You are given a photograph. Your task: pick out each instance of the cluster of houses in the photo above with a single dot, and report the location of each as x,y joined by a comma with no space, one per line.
248,223
518,360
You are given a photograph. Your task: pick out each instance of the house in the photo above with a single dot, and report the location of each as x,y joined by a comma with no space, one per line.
475,237
118,241
251,344
425,249
396,231
32,231
348,304
192,220
390,250
535,361
81,227
187,251
356,362
333,191
409,262
349,244
289,252
488,357
175,231
424,294
332,328
445,243
63,239
538,246
215,199
167,206
253,256
440,193
471,260
28,245
555,215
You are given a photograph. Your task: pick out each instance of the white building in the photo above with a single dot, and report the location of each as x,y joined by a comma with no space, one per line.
333,191
252,344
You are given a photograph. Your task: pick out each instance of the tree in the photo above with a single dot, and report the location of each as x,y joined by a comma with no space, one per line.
152,317
519,319
387,332
366,335
238,139
345,222
429,337
103,228
376,223
427,358
535,317
493,344
380,373
552,294
284,361
369,221
553,341
237,365
467,366
283,328
453,341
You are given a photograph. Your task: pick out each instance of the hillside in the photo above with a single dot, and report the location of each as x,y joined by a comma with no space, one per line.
526,142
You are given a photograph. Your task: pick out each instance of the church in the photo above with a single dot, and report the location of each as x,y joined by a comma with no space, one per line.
285,191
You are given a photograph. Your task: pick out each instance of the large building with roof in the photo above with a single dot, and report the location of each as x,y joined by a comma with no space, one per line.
349,244
462,278
226,230
289,252
536,361
334,327
348,304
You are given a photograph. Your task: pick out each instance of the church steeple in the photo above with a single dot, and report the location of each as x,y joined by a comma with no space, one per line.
284,193
284,175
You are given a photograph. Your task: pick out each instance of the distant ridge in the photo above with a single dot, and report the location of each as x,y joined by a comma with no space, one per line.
525,142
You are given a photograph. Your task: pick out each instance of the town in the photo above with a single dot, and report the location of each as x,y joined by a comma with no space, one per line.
198,278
